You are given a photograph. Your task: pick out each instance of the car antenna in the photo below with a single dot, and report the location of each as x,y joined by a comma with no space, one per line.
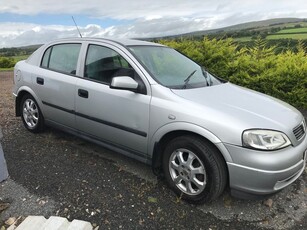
76,26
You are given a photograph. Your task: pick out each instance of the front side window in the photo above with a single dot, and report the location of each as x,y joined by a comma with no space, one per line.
172,69
102,64
62,58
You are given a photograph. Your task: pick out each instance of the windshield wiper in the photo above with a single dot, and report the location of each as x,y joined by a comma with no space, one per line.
186,81
205,73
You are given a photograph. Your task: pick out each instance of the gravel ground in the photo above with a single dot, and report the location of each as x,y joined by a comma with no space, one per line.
54,173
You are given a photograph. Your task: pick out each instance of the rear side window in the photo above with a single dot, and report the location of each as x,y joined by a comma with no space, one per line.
62,58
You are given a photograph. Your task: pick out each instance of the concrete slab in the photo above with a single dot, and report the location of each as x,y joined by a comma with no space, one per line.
80,225
33,223
53,223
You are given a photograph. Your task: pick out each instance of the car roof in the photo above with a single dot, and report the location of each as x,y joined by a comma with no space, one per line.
124,42
35,57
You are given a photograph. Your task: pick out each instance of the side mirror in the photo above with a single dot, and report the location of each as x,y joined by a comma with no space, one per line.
124,83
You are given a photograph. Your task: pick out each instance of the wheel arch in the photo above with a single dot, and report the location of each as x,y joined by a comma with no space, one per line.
171,131
20,94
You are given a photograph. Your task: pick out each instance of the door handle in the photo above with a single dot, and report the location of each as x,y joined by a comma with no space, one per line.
40,81
83,93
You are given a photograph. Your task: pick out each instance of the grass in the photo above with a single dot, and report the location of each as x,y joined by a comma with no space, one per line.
293,31
19,58
6,69
243,39
296,36
290,33
293,24
287,36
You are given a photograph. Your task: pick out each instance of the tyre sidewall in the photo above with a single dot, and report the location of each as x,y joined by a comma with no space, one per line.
39,126
202,151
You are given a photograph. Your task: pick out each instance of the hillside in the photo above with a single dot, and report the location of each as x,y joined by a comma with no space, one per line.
18,51
248,28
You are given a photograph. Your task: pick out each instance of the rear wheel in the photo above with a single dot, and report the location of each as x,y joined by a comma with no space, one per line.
194,169
31,115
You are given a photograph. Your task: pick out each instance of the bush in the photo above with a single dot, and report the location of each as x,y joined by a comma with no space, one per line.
6,62
282,75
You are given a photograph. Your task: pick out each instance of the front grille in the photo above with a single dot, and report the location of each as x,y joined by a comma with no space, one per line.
299,131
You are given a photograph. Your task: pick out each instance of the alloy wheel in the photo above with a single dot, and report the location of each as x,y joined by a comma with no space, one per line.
30,113
187,171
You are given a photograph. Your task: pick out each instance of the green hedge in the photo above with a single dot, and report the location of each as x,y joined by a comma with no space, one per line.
282,75
6,62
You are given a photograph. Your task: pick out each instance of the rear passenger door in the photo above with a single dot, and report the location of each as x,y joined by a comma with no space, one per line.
56,81
117,117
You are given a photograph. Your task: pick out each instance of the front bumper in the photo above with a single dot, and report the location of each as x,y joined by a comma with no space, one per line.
265,172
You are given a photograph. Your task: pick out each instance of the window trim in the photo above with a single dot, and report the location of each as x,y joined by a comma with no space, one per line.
144,87
41,64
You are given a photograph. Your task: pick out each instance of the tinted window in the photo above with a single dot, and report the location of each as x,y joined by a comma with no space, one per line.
173,69
62,58
103,63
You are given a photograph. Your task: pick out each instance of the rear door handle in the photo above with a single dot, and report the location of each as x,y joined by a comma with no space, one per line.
83,93
40,81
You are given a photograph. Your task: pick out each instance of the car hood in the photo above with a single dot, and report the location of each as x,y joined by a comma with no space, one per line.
231,108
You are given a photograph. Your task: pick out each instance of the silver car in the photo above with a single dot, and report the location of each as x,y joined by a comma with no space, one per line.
150,102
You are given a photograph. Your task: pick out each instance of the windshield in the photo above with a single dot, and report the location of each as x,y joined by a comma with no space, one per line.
172,69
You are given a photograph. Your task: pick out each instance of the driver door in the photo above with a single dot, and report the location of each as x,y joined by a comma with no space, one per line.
117,117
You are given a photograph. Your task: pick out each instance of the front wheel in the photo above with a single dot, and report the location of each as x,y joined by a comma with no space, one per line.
31,115
194,169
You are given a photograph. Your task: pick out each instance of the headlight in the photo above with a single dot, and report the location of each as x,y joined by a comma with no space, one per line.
265,139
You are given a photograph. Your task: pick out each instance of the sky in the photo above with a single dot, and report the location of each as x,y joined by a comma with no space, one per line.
28,22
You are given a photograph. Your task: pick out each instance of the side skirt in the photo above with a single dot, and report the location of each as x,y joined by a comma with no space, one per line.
113,147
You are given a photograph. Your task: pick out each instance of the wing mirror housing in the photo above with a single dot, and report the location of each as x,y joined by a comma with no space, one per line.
124,83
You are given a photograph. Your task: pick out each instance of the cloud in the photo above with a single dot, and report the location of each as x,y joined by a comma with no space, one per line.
142,18
117,9
27,34
140,9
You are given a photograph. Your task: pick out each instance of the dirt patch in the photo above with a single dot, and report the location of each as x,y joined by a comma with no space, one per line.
7,100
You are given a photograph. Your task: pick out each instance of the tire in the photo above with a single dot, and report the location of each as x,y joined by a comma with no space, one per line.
194,169
31,115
